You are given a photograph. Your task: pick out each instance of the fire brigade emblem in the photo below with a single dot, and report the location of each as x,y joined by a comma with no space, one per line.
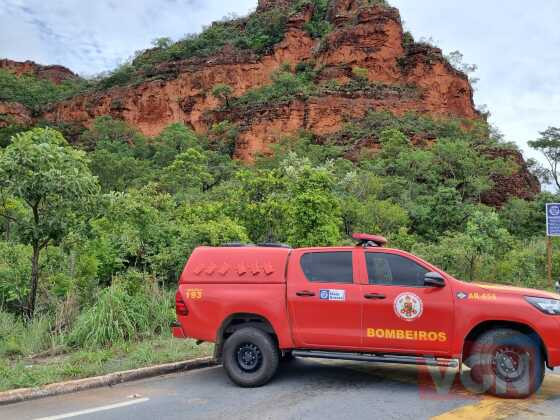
408,306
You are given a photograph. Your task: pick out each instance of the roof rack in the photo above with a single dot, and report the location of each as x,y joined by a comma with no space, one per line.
367,240
274,245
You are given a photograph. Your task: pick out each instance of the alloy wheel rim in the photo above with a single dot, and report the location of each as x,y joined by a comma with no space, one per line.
510,363
249,357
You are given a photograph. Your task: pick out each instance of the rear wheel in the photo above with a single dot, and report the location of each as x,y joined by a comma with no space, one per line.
507,363
250,357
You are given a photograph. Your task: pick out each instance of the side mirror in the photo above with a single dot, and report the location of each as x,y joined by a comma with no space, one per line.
434,279
558,287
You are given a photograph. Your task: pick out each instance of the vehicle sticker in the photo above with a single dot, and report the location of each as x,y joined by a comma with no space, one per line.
332,294
476,296
412,335
482,296
408,306
194,294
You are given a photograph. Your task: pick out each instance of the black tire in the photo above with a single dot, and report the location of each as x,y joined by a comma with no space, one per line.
250,357
507,363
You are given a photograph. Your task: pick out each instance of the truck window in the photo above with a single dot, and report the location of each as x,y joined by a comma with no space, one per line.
328,267
393,270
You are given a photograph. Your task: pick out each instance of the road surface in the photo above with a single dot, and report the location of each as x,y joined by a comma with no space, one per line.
302,389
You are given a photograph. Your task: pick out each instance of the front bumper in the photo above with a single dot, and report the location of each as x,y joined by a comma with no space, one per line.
177,330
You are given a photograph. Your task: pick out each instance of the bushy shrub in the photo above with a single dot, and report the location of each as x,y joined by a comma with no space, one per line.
285,87
258,32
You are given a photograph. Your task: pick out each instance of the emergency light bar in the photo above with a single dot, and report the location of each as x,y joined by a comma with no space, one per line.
367,240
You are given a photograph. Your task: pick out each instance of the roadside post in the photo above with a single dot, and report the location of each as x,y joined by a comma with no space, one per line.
552,229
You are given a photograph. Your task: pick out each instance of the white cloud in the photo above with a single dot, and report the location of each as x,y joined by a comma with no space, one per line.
94,36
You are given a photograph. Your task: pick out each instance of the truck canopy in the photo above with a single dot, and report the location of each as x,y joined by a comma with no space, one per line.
241,265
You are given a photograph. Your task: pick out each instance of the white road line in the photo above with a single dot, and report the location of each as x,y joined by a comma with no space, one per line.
95,410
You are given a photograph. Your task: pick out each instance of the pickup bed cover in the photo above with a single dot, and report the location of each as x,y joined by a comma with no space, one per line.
243,265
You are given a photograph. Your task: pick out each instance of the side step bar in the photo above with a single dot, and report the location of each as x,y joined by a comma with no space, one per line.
365,357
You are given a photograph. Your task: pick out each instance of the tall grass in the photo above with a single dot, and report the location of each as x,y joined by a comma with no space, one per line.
20,339
121,315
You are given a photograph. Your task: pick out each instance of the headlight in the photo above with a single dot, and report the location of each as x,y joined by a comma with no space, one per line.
548,306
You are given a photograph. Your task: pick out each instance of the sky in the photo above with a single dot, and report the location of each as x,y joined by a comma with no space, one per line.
515,44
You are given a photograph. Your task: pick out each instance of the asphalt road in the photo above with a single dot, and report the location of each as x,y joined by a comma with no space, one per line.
302,389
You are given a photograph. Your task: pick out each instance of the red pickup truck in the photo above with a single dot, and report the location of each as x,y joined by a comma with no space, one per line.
261,304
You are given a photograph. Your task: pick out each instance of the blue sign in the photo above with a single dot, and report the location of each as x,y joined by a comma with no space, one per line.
553,219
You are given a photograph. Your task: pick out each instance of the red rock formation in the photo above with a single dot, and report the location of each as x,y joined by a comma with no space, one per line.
56,74
13,113
521,183
374,42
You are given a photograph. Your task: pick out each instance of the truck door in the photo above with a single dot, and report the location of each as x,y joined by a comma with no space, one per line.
400,314
324,298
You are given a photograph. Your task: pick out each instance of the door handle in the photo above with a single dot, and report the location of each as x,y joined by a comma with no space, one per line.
377,296
305,293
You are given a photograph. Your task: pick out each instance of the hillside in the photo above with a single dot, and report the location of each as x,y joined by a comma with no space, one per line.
308,65
413,77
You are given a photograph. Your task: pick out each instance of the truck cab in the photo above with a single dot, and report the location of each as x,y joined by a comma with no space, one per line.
261,304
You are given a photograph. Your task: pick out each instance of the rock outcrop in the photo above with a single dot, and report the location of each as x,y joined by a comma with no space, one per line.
521,183
56,74
13,113
367,37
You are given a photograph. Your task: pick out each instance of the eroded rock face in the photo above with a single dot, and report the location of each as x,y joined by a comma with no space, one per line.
13,113
56,74
367,37
521,183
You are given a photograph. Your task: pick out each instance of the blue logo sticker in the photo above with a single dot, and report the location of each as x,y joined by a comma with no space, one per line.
332,294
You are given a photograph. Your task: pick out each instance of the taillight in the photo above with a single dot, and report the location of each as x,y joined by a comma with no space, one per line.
180,305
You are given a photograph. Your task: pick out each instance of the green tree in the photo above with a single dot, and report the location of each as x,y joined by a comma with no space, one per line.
313,210
549,145
172,141
189,171
223,92
53,181
163,42
462,252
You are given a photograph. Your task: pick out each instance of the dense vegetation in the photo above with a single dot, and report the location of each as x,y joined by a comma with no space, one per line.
33,92
153,200
303,82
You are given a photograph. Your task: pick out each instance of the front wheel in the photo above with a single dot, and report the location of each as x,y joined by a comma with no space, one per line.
507,363
250,357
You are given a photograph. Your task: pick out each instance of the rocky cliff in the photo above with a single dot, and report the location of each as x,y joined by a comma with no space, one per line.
365,37
56,74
